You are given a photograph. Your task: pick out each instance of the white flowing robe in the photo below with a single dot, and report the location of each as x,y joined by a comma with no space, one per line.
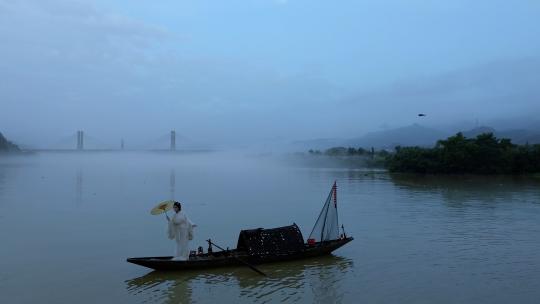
180,230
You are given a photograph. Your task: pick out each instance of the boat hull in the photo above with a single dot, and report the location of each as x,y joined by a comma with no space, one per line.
234,257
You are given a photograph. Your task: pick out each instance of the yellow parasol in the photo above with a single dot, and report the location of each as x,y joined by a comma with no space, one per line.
162,207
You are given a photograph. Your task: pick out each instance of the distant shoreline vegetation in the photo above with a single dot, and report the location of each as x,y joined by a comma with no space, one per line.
349,156
457,154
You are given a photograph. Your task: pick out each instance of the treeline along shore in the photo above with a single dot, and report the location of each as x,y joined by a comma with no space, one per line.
457,154
351,157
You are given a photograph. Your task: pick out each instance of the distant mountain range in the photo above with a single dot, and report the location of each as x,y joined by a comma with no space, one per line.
414,135
317,144
518,136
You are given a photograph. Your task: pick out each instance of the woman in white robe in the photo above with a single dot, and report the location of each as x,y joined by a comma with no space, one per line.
180,230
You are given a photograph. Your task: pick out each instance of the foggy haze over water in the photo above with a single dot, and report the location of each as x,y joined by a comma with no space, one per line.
247,72
212,78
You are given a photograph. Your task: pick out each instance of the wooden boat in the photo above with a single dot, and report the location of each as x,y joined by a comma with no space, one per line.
239,256
258,246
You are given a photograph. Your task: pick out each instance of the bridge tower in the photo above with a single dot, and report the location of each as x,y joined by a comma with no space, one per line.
173,140
80,140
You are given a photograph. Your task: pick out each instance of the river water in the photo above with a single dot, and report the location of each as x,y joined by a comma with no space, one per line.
68,221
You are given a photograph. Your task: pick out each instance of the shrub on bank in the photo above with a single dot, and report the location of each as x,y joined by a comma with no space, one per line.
484,154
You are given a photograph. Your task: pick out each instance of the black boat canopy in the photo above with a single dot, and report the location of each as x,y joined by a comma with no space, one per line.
281,240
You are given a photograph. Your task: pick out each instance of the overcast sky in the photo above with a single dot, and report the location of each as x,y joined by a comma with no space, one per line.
261,70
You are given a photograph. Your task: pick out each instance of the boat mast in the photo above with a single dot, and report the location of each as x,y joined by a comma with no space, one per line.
335,206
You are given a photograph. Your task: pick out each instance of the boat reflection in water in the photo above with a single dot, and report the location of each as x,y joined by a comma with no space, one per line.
313,280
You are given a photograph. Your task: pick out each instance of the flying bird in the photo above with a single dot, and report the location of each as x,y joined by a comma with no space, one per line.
421,114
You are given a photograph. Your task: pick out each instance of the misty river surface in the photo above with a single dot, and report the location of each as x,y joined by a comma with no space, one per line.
68,221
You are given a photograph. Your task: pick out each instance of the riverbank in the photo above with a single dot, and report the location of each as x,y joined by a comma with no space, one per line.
335,161
457,154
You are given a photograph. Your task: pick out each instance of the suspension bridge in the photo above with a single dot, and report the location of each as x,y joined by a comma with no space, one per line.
80,141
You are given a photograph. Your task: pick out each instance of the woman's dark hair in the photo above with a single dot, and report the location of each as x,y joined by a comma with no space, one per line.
177,204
